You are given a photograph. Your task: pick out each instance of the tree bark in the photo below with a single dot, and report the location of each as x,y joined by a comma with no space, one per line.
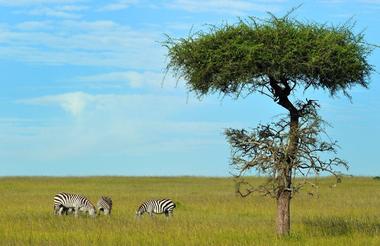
285,176
285,168
283,213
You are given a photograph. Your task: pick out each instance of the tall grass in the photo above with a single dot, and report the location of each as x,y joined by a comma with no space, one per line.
208,213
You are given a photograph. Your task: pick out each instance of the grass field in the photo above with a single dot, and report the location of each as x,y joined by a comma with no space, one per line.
208,213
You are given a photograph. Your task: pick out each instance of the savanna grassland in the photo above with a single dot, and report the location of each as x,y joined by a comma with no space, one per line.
208,213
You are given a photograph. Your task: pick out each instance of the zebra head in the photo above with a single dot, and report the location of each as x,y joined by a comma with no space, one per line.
92,212
90,209
140,211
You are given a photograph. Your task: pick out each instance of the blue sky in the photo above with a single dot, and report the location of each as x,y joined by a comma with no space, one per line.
82,89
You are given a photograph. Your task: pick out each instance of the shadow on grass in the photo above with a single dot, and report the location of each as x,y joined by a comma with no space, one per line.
336,226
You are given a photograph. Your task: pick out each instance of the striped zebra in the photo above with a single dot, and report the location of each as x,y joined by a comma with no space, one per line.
66,211
151,207
104,205
65,202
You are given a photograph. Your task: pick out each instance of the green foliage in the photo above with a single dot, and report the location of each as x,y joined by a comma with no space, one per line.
209,213
231,58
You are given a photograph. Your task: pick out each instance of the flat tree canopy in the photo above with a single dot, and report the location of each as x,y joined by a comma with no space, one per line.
231,58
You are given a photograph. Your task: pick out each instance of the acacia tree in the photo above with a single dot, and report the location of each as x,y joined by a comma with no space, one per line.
266,149
275,57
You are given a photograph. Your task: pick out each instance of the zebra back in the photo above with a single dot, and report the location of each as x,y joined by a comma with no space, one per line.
64,201
156,206
105,204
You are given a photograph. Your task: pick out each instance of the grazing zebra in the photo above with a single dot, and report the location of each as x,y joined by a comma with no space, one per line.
65,210
105,205
64,203
151,207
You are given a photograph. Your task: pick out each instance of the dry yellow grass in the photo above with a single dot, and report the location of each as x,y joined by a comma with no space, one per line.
208,213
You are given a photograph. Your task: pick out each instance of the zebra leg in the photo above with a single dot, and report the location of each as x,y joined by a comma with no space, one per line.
169,213
76,210
55,211
60,211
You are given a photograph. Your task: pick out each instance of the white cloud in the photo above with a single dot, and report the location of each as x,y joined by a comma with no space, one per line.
35,2
118,5
233,7
332,1
74,102
97,136
53,12
34,25
114,124
132,79
99,43
370,1
69,11
352,1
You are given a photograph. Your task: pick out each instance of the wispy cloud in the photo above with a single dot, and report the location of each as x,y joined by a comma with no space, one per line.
131,79
116,138
370,1
66,11
34,25
233,7
65,37
77,42
332,1
114,124
36,2
73,103
345,2
118,5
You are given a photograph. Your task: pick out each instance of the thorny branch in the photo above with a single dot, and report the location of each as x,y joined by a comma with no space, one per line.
264,149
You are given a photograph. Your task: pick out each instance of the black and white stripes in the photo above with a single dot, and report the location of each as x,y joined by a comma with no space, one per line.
151,207
104,205
63,202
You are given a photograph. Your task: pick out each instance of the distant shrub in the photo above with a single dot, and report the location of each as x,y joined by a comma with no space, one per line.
376,178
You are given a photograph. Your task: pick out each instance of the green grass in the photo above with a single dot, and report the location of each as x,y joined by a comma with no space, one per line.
208,213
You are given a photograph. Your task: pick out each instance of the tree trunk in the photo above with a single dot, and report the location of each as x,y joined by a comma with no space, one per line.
284,171
285,178
283,213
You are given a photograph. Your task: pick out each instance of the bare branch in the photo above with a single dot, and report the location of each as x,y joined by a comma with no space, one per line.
264,149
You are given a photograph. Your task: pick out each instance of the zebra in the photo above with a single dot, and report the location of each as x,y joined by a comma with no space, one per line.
65,202
151,207
104,205
66,211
